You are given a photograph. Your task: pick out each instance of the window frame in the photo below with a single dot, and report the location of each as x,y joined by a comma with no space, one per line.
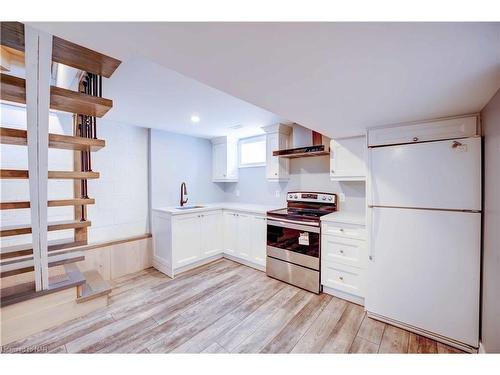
252,139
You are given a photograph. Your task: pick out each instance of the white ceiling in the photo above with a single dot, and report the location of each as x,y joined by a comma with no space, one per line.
150,95
337,78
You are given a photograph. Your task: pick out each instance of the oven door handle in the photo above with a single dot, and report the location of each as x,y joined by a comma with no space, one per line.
292,225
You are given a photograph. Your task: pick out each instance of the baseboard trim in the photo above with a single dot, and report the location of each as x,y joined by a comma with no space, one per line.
343,295
434,336
482,349
245,262
196,264
163,267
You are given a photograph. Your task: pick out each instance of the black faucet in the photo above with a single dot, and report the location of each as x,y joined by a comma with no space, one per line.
183,192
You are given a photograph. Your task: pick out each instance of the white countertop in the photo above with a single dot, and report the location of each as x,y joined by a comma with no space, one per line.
345,217
243,207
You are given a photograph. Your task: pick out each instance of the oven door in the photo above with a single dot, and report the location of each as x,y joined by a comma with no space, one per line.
293,242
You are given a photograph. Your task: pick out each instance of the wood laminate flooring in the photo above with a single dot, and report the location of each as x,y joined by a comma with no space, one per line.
223,307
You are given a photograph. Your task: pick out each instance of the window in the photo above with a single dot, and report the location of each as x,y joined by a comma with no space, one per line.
252,151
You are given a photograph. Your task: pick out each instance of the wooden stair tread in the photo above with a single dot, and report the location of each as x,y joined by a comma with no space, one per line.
13,89
94,287
63,51
26,291
14,230
51,203
13,267
58,175
73,175
66,142
27,249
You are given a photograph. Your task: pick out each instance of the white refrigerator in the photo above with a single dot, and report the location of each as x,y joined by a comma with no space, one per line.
425,238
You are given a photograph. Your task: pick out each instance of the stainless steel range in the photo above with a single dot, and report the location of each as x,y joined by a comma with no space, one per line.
294,239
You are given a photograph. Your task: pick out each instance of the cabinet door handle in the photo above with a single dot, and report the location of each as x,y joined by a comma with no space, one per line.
341,278
415,139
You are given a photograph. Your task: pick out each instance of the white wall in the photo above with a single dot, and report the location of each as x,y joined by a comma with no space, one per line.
121,192
310,174
178,158
491,236
123,165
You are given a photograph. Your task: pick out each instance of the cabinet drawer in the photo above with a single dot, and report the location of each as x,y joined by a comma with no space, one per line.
344,230
343,250
342,277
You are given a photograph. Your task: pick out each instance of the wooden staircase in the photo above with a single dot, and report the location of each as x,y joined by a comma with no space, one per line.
90,285
86,105
64,142
15,230
95,286
15,251
13,89
53,203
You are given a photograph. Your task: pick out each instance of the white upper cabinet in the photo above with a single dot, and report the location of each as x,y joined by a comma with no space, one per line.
449,128
224,159
278,138
347,159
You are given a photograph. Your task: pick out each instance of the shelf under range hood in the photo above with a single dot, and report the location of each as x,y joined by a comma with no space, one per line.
302,152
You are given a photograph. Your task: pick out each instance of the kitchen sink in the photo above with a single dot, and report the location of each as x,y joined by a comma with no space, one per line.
188,207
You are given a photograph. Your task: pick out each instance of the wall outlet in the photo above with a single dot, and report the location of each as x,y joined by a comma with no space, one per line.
277,193
342,197
237,193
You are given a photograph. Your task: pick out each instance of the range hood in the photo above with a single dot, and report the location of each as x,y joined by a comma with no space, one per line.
305,143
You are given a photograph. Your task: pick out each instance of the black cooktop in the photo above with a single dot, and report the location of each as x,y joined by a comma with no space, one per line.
300,214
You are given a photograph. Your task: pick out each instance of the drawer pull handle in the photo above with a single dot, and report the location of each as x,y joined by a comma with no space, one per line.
341,278
342,252
341,229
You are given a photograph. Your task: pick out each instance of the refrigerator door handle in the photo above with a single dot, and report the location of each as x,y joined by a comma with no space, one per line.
373,230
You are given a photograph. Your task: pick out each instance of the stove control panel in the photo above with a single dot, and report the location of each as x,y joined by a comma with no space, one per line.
302,196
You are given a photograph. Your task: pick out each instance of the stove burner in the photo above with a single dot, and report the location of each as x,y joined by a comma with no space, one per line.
306,206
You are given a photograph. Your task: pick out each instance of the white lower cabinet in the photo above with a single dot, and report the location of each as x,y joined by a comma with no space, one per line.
344,278
180,241
258,240
230,233
186,244
245,237
243,245
344,258
343,250
211,233
187,240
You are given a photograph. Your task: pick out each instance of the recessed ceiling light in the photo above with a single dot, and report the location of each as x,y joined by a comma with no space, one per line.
195,118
